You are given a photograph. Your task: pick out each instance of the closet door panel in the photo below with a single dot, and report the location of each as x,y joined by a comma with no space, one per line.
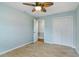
63,30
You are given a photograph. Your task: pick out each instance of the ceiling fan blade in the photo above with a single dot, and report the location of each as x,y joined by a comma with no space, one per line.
47,4
38,3
29,4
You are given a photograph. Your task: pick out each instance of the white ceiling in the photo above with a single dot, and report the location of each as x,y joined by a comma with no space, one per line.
58,7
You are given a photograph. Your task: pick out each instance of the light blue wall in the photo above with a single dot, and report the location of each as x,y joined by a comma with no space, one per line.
16,28
77,40
48,34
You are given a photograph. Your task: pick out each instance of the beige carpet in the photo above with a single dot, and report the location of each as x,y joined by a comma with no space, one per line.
42,50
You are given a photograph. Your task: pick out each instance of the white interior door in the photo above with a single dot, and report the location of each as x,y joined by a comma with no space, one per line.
35,30
63,30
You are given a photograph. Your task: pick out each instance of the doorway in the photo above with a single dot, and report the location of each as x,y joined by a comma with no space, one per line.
38,30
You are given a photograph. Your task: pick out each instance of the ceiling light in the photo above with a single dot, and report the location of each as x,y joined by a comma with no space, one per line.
38,8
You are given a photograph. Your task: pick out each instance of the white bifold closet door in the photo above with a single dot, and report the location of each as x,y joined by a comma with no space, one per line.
63,30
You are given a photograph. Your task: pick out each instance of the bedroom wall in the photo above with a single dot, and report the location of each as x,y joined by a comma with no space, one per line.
77,23
16,28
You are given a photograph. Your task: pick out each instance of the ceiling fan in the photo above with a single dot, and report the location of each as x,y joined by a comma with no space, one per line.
39,6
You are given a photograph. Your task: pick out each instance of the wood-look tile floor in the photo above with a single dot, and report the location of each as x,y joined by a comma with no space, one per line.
39,49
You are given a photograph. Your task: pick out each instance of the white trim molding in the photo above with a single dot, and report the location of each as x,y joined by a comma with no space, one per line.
58,43
77,50
15,48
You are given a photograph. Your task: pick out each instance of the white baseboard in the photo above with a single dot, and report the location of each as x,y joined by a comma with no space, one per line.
15,48
58,44
64,45
77,50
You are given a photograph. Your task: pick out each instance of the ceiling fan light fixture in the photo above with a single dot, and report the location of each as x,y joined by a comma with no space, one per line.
38,8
